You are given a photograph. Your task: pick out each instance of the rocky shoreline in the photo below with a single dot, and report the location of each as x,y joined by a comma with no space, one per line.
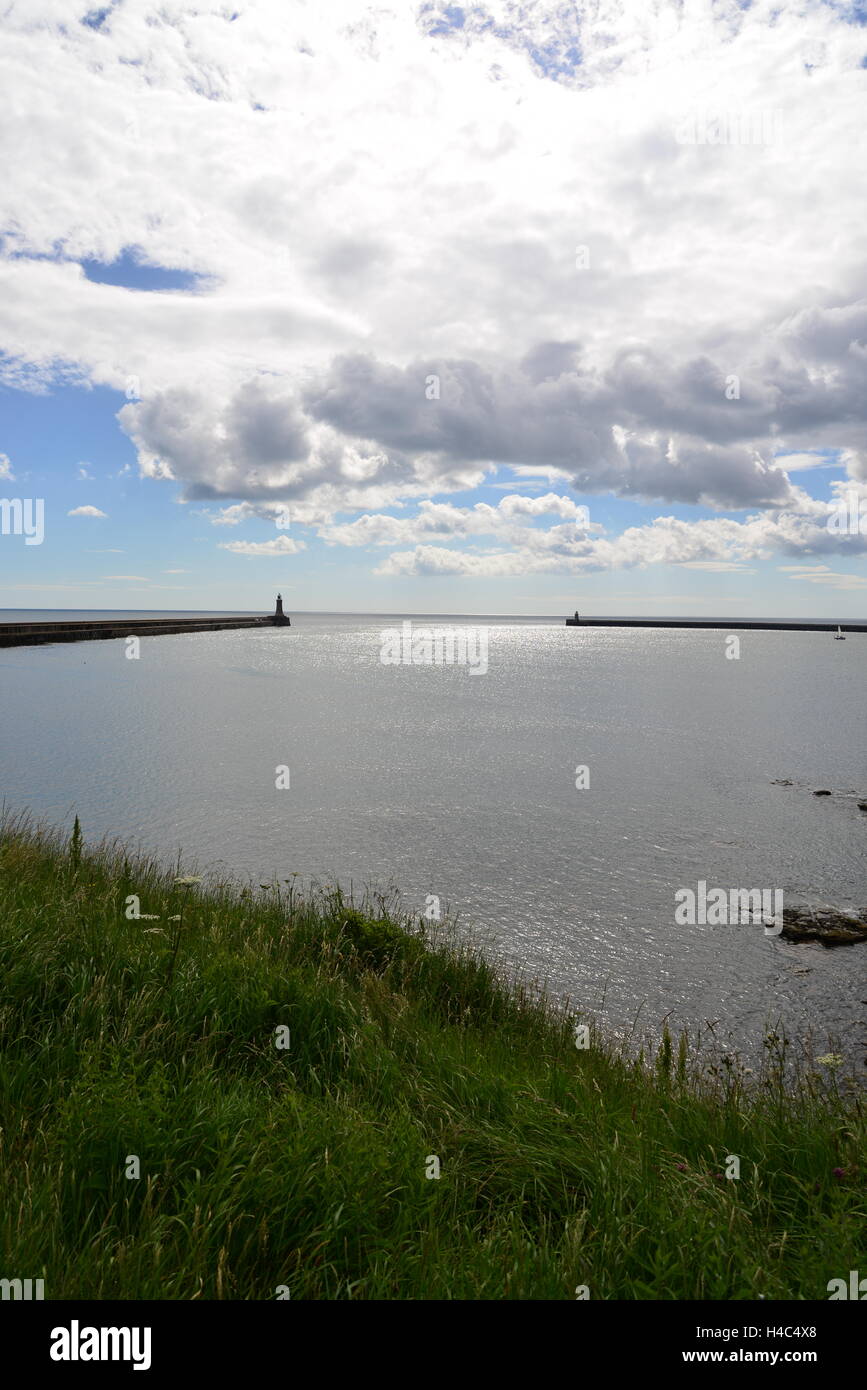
829,925
825,924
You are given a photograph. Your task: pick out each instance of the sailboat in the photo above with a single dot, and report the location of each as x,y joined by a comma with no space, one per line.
839,636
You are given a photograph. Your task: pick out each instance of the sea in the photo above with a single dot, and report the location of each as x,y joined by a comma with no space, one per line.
557,804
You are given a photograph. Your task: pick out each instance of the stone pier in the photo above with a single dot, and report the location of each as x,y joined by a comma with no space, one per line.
101,629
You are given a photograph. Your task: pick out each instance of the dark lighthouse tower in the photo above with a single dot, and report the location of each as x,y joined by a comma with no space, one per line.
279,619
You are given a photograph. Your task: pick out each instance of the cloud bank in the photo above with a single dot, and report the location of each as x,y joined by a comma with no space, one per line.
619,247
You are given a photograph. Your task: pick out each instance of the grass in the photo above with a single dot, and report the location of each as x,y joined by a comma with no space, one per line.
304,1166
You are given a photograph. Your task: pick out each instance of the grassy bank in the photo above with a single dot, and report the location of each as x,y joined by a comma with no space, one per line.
305,1165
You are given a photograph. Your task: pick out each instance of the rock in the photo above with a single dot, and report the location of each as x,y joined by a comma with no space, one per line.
781,782
824,924
822,793
862,805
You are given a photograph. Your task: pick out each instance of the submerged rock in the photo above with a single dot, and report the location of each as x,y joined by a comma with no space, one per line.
825,924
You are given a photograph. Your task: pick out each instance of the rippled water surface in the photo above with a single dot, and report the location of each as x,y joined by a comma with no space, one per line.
463,786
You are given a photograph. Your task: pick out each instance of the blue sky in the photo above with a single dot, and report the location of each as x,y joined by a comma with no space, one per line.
367,306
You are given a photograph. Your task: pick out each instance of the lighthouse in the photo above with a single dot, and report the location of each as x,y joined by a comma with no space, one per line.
279,619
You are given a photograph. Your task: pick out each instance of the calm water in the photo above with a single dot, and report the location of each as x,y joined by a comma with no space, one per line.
459,785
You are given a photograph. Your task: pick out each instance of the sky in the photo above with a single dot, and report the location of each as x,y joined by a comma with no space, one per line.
516,307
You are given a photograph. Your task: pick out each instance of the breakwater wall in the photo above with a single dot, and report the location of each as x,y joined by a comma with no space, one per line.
36,634
736,624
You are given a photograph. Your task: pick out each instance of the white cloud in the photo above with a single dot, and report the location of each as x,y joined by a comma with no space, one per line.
802,463
6,468
283,545
377,199
797,571
441,520
86,511
845,582
717,543
717,566
822,574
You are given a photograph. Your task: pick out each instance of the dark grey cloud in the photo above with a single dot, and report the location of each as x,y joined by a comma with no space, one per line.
553,413
694,431
549,361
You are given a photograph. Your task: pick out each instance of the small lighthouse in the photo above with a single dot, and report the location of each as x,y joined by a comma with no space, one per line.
279,619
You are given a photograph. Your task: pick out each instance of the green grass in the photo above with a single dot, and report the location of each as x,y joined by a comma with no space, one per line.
306,1166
